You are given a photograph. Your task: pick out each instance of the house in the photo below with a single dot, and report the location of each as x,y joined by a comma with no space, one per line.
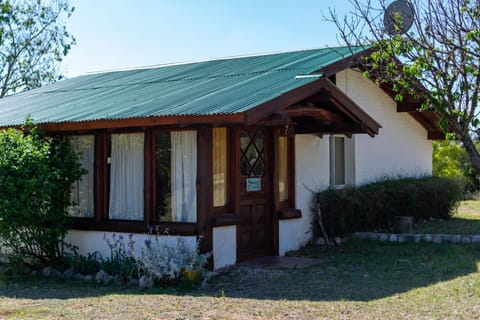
228,149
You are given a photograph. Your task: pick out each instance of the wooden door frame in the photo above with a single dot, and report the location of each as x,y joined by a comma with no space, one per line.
270,172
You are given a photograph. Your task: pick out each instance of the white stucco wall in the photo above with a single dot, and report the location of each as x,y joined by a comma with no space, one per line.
400,148
224,246
91,241
311,173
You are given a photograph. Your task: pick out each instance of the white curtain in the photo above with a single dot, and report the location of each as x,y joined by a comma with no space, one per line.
184,175
82,190
126,177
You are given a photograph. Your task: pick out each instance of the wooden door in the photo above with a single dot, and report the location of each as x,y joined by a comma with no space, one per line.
255,231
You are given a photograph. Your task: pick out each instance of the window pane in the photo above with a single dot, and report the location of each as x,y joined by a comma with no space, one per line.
339,160
252,163
283,168
126,177
176,176
184,175
82,190
259,168
219,167
163,150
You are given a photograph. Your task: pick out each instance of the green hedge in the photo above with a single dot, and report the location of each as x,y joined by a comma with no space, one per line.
372,206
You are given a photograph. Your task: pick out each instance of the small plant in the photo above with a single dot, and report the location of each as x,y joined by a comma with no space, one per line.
121,261
89,264
164,263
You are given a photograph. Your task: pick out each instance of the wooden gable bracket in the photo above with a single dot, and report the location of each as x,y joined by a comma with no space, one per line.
345,128
347,108
276,119
313,112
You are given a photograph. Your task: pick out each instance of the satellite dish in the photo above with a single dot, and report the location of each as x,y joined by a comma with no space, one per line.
405,9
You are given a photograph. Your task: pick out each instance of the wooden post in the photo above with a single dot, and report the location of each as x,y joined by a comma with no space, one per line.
205,188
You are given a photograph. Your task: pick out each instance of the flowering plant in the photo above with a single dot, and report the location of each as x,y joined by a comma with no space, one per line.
121,261
164,262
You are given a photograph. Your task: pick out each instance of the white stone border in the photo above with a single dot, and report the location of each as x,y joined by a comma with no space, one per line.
417,238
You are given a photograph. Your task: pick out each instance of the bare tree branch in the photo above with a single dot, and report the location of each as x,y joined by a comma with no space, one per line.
441,52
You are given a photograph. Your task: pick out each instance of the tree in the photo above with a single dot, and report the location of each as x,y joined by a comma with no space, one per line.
36,174
437,60
33,41
450,160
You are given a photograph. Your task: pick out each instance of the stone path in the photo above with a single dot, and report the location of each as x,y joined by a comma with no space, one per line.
417,238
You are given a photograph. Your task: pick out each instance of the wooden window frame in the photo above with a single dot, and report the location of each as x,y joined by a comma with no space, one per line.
227,215
226,208
290,201
333,163
88,133
101,221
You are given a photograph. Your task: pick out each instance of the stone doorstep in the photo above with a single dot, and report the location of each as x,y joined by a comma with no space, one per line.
417,238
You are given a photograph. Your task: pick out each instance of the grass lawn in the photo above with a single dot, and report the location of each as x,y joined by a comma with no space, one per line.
360,280
465,221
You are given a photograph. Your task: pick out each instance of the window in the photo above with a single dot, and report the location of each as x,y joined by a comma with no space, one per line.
126,176
82,190
337,160
342,161
140,178
176,176
219,167
283,168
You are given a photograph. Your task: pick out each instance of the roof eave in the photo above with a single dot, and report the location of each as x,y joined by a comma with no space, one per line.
145,122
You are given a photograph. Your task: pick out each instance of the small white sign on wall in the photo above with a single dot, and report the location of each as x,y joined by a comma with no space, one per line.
253,184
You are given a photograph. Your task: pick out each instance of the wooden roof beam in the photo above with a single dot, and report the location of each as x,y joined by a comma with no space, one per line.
436,135
341,128
314,113
228,119
408,107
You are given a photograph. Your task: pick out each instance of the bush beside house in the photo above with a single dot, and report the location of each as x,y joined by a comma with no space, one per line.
373,206
36,173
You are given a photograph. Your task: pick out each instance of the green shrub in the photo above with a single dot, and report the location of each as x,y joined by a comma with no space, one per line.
86,265
373,206
36,174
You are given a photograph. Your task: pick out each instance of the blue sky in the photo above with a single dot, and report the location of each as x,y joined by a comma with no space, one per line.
114,34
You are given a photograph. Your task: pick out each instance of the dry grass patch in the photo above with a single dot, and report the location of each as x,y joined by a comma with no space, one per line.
361,280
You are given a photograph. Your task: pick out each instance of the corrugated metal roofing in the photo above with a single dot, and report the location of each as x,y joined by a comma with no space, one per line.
222,86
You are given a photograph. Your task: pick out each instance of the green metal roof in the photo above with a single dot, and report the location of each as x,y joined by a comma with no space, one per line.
221,86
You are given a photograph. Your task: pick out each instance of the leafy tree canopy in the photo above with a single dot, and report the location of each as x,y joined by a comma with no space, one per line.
436,61
450,160
33,41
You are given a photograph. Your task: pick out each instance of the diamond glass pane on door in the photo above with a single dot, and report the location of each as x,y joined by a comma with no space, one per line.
252,162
